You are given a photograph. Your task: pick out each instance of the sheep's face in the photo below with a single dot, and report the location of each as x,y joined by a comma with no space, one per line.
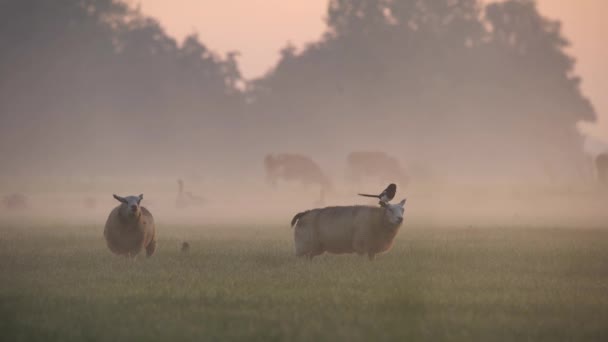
130,204
394,212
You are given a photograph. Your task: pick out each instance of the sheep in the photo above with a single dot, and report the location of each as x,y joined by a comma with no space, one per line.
350,229
130,228
185,247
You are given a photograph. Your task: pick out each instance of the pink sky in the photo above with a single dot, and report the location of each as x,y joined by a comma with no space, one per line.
259,28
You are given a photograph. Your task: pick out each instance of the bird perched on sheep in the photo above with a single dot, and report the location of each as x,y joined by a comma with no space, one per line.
130,228
350,229
386,195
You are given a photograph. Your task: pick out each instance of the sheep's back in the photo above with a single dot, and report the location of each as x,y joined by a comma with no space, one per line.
340,226
339,229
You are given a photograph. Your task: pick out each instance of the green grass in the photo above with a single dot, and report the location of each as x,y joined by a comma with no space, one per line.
243,283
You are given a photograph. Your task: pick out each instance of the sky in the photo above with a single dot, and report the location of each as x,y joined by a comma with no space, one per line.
260,28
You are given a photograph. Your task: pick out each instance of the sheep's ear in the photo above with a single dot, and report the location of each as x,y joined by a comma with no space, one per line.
120,199
402,203
141,197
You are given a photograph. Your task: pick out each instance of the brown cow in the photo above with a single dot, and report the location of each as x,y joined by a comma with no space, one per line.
296,168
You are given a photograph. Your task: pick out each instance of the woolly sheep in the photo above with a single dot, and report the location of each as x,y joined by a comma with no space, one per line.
351,229
130,228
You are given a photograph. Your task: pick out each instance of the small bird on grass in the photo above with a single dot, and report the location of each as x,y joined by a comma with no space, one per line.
385,196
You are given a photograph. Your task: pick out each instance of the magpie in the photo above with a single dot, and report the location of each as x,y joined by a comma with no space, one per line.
385,196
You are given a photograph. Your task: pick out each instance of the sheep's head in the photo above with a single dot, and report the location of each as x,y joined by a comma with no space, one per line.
394,212
130,204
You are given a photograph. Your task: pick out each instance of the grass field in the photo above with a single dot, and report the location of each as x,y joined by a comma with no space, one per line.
242,282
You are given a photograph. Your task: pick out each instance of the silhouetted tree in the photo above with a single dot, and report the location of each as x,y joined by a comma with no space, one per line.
444,84
95,80
464,87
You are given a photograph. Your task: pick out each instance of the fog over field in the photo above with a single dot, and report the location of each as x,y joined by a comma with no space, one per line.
477,102
472,108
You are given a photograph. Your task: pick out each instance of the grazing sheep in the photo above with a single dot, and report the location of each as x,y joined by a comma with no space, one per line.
130,228
379,166
186,198
15,201
352,229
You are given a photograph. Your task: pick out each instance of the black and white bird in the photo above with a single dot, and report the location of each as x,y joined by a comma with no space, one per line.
385,196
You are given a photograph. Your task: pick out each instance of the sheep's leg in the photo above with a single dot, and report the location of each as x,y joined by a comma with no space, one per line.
150,248
314,253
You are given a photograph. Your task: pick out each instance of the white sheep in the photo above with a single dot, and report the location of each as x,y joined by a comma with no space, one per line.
352,229
130,228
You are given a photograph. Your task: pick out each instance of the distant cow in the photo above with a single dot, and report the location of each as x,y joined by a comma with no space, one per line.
296,168
377,166
15,201
352,229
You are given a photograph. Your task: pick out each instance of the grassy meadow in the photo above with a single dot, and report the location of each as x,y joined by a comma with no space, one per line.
60,283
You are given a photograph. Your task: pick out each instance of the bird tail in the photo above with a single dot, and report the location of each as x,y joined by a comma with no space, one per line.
366,195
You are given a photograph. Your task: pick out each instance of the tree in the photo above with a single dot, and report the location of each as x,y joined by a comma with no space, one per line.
87,81
447,83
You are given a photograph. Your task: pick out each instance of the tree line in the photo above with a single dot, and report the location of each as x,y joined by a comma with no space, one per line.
447,84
